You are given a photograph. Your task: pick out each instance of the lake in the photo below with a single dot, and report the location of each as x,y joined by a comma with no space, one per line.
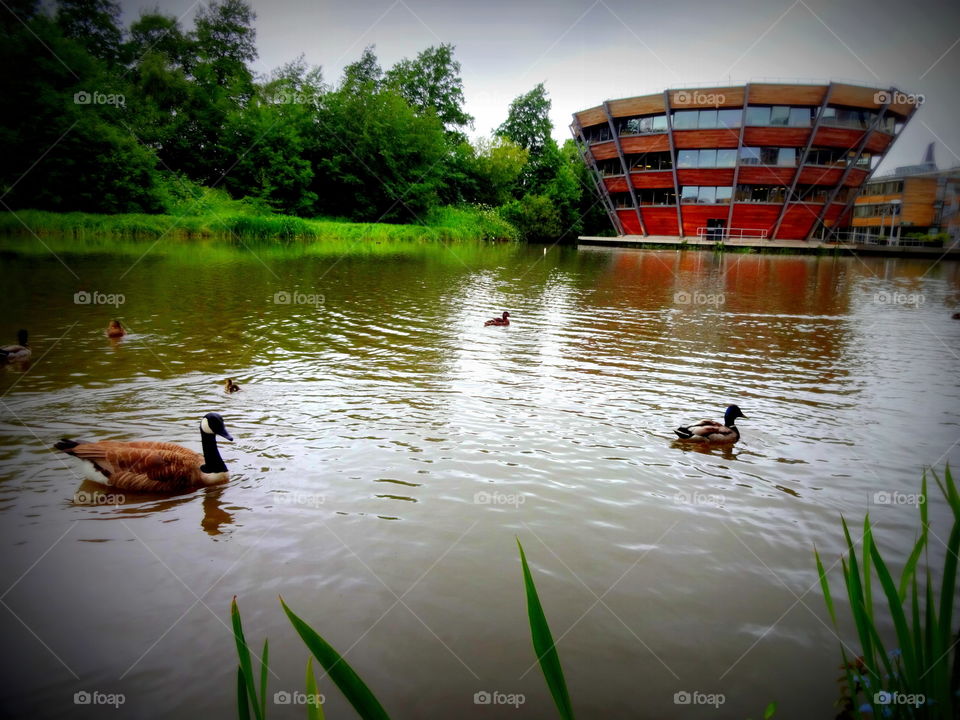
389,451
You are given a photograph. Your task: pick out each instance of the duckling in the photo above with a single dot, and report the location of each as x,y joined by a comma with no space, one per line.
115,329
18,353
709,431
158,467
499,321
229,386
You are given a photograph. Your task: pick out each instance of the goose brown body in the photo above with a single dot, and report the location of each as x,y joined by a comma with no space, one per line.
149,466
115,329
504,320
18,353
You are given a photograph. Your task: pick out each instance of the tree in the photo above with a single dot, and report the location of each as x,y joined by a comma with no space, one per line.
432,82
528,121
225,42
497,166
364,75
95,24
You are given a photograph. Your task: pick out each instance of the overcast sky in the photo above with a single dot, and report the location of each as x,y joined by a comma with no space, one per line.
588,51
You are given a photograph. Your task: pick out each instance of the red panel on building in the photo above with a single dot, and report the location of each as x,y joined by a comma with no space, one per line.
798,220
720,138
615,184
631,225
718,176
765,175
660,220
696,216
755,216
653,179
775,136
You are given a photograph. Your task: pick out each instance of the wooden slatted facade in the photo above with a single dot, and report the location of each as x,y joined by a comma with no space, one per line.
829,160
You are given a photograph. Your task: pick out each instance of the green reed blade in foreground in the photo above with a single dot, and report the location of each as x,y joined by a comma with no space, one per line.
243,704
543,644
246,667
314,709
344,676
825,586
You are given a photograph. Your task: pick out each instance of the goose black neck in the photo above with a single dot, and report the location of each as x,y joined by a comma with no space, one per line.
212,462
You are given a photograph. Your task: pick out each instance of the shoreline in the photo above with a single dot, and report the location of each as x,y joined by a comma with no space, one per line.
780,247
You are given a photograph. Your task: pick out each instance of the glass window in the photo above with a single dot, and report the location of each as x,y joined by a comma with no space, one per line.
768,156
659,123
687,159
758,115
787,157
779,115
645,124
800,117
707,195
724,194
726,158
685,119
708,159
749,155
729,118
708,119
689,193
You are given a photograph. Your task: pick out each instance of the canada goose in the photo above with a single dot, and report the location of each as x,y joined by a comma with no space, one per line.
709,431
145,466
16,353
230,386
115,329
499,321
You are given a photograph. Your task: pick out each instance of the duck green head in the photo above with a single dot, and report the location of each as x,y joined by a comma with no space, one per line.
730,416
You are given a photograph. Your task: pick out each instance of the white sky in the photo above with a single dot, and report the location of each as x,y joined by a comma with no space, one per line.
588,51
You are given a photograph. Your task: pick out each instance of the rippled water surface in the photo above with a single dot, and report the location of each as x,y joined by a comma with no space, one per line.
390,449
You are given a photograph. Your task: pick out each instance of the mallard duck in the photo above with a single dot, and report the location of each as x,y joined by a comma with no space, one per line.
159,467
115,329
16,353
709,431
505,320
230,386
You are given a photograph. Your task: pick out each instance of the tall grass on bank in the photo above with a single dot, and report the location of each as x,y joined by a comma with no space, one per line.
235,220
920,676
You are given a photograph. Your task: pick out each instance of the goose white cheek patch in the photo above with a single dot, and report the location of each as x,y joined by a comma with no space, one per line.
205,427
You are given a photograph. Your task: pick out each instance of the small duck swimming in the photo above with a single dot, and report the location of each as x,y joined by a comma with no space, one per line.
505,320
18,353
229,386
115,329
709,431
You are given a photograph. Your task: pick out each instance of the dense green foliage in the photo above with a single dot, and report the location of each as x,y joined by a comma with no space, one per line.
104,118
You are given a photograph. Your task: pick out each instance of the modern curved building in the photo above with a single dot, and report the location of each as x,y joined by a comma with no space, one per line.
761,161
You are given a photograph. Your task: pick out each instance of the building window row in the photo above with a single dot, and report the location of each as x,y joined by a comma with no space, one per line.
888,187
876,210
731,118
727,158
721,195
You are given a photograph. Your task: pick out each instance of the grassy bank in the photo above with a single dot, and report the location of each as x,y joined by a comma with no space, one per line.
237,220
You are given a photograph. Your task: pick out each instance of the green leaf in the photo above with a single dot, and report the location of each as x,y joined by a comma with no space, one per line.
867,575
543,644
855,593
771,709
948,588
339,670
314,711
264,659
243,705
825,586
246,667
899,619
